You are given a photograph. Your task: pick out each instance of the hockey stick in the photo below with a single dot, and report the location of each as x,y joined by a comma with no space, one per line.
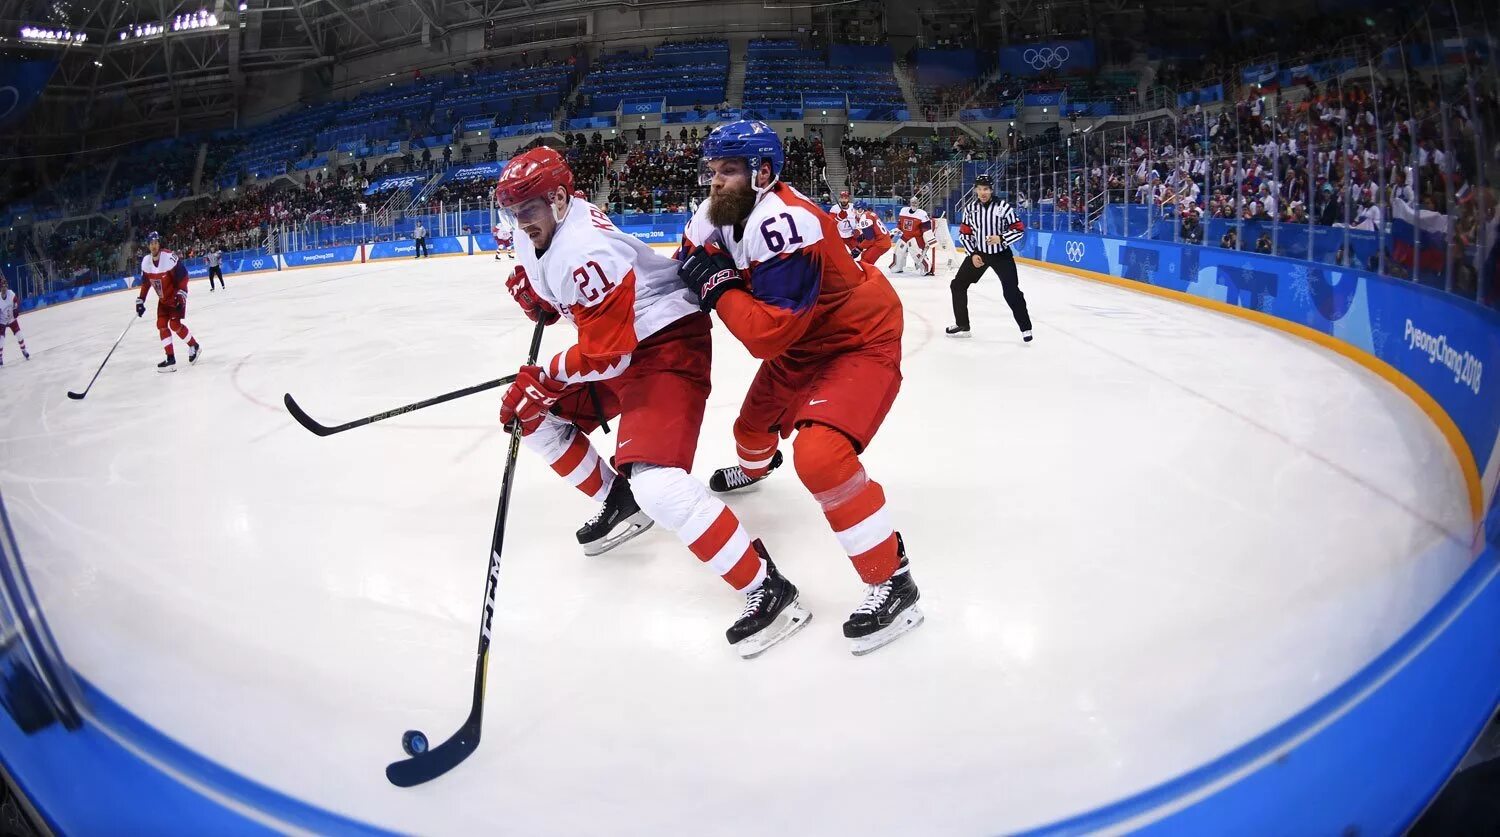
324,430
424,765
78,396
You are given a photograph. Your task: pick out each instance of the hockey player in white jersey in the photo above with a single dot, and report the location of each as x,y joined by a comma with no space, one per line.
10,319
645,346
917,240
505,237
847,217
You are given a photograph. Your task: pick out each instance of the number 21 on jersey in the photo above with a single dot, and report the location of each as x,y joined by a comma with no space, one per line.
592,283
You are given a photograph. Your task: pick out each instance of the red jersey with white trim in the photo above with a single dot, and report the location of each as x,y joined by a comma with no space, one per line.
807,297
164,274
912,222
611,285
870,229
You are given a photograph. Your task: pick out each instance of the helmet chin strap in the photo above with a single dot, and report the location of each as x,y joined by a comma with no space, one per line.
760,191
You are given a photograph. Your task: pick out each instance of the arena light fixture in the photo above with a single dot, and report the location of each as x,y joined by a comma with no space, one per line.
50,35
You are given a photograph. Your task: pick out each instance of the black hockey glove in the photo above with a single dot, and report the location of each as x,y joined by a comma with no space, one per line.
140,307
709,273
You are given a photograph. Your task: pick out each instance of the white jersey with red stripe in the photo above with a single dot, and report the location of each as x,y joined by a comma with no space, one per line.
845,216
163,273
7,307
611,285
504,232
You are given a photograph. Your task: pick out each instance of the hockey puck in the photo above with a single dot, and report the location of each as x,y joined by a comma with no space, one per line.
413,742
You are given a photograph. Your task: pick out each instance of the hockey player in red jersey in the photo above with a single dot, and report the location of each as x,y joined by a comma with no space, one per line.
871,239
828,332
10,319
644,347
162,272
916,235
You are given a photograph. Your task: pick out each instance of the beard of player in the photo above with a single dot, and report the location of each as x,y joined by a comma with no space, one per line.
733,199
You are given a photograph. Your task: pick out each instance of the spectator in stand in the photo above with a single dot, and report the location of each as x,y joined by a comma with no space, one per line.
1230,240
1192,231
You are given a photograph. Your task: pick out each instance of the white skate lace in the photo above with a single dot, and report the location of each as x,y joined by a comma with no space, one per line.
598,515
736,477
875,596
752,601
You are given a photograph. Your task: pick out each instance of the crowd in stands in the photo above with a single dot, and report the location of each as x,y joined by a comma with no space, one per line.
658,177
1351,153
883,168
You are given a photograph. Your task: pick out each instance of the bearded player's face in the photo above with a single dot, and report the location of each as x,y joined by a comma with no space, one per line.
729,188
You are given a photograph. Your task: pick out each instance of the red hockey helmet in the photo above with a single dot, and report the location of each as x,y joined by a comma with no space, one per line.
579,193
843,196
533,174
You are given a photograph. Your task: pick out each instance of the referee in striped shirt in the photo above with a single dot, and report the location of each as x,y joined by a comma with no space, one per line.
988,229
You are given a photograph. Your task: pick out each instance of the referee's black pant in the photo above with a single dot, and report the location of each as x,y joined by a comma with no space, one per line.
1004,265
421,248
212,272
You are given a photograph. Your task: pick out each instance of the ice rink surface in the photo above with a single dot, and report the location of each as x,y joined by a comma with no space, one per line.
1141,540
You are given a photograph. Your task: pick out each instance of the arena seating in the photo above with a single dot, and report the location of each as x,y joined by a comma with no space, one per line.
635,77
783,80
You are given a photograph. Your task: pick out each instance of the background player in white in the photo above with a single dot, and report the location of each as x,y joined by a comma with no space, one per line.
645,345
845,214
10,318
917,239
161,271
505,236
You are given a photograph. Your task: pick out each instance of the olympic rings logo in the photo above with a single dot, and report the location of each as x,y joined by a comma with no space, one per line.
1075,250
1045,58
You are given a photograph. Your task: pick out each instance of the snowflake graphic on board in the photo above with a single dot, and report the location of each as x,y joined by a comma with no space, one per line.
1301,282
1378,334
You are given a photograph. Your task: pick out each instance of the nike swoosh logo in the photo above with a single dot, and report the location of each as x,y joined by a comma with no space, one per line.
623,443
817,401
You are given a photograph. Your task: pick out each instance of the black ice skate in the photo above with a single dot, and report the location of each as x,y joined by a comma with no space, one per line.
772,613
193,352
1026,336
619,519
168,365
889,609
955,331
734,477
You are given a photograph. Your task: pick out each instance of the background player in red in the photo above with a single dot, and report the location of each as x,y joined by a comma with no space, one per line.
162,272
916,234
10,318
645,345
871,239
828,333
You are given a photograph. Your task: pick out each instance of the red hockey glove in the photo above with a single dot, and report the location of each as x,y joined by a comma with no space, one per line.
538,310
529,398
179,311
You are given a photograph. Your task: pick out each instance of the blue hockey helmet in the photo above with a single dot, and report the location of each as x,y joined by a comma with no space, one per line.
862,206
751,139
153,236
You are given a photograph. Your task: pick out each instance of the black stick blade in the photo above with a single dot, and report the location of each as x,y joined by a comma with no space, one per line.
424,767
303,418
77,396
